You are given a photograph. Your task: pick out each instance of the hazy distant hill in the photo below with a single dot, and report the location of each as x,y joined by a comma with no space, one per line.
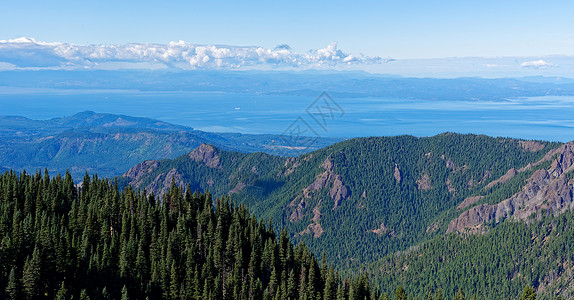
306,83
110,144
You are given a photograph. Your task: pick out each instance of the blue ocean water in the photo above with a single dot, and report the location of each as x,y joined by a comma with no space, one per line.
545,118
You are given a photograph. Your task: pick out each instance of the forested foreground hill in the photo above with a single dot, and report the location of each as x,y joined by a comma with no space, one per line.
364,198
97,242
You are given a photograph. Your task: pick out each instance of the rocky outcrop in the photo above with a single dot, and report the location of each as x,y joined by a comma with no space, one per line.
432,227
504,178
424,183
315,227
238,188
468,202
297,213
290,165
531,146
162,182
207,155
397,174
546,190
138,172
381,230
328,179
450,187
450,164
338,190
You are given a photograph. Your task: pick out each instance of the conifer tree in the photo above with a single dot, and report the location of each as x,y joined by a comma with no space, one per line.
528,293
31,277
12,289
400,293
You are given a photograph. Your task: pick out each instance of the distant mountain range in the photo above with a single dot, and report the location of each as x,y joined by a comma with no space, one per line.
109,144
305,83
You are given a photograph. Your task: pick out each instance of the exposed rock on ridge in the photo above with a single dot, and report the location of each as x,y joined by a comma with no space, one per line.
137,173
549,190
206,154
504,178
337,191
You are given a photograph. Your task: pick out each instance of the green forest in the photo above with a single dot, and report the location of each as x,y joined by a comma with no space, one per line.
103,238
97,242
100,242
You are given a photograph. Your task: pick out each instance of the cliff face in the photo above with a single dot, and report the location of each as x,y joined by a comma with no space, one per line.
138,172
547,190
204,154
337,192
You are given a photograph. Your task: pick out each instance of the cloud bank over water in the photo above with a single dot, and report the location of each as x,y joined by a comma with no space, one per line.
29,53
537,64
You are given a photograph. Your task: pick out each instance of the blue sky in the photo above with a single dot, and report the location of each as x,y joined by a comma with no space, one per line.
398,29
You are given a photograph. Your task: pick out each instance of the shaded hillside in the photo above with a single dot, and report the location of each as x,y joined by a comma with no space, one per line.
361,199
110,144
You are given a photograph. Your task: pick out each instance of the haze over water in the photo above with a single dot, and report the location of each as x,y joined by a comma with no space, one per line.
546,118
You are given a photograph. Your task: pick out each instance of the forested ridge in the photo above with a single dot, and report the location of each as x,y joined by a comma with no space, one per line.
97,242
379,195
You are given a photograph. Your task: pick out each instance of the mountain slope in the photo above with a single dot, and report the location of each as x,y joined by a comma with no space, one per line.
548,189
201,169
494,265
361,199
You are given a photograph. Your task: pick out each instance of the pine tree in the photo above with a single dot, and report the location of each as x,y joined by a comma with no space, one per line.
125,295
12,289
528,293
400,293
84,295
459,295
32,272
330,285
174,284
62,292
105,293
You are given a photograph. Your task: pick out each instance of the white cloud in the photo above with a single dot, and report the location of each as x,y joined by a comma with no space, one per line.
29,53
537,64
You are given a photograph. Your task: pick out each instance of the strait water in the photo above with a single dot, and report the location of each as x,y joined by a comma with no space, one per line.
546,118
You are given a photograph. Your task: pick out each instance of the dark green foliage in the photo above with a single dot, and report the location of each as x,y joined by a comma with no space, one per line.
273,188
99,243
528,294
367,168
495,265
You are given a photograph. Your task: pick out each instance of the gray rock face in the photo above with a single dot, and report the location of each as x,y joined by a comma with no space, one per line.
206,154
549,190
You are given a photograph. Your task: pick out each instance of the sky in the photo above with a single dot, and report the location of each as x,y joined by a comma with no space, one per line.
397,29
